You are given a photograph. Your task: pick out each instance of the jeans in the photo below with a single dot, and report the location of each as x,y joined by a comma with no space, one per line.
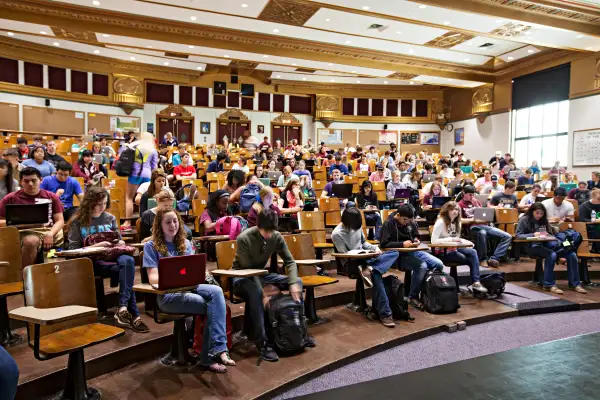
550,261
250,289
374,219
465,256
9,376
380,266
126,266
481,234
419,263
205,299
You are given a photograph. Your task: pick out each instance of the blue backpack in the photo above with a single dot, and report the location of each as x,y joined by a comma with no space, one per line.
566,242
248,197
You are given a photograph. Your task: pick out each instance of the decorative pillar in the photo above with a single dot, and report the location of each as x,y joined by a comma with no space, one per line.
327,109
128,91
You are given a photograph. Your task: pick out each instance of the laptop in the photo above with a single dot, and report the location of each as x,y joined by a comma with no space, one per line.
403,174
265,181
466,170
484,214
182,271
439,201
341,190
568,186
539,199
98,158
310,163
274,175
428,178
515,174
26,214
482,198
402,194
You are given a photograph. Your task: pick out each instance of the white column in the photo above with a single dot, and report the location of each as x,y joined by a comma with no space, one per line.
414,110
370,107
175,94
90,77
286,103
255,102
20,117
194,97
45,76
399,107
210,97
384,107
21,65
355,106
68,79
271,103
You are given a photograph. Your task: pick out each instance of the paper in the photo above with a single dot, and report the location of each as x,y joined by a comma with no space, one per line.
79,115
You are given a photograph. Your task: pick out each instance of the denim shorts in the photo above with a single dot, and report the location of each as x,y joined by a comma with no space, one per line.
137,180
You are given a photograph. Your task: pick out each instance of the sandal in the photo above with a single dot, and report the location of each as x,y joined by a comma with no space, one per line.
215,367
224,359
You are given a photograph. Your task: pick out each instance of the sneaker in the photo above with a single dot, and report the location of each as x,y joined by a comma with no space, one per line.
479,287
416,303
126,228
310,341
579,289
493,263
139,326
388,322
124,318
484,264
267,353
553,289
365,278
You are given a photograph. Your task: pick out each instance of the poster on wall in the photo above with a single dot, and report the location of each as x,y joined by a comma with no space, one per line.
205,128
124,124
430,138
331,137
150,127
459,136
388,137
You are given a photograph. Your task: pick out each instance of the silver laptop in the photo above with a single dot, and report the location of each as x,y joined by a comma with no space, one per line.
428,178
515,174
274,175
484,214
482,198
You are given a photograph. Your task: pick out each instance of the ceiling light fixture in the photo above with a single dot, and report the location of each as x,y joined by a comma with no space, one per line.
399,33
422,6
132,58
510,58
226,56
191,47
499,21
294,64
385,82
353,72
411,51
10,34
166,63
333,80
467,59
266,56
149,46
278,76
303,79
105,35
366,8
193,17
96,2
588,48
96,51
200,68
446,23
527,33
56,44
275,30
244,5
327,19
43,33
579,36
330,64
348,42
412,83
470,44
531,51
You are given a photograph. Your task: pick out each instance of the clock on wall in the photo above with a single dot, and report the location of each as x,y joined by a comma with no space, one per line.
449,127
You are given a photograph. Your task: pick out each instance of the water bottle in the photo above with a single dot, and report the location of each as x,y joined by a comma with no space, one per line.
593,216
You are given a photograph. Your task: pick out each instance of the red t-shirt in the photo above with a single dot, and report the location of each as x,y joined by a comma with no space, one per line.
20,197
184,171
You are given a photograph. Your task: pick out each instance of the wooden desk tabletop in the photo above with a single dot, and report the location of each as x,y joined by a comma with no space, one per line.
86,251
307,262
453,245
239,273
355,256
471,221
215,238
421,247
50,316
11,288
148,288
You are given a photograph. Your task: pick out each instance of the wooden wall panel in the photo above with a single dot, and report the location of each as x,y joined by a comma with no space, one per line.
377,107
100,84
202,96
362,107
406,108
57,78
185,95
219,101
9,70
278,103
348,106
52,120
391,109
264,102
34,74
9,116
369,137
233,99
247,103
79,82
421,108
300,105
157,93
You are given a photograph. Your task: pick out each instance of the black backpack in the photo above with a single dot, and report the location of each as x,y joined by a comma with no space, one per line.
439,294
394,289
124,164
286,325
494,282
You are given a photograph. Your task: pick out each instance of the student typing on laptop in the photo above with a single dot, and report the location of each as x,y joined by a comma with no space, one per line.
32,239
168,240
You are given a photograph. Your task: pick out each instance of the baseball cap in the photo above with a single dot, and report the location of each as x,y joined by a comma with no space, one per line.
498,153
469,189
494,178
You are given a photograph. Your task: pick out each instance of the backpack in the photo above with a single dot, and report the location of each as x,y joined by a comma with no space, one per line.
231,226
286,326
439,294
248,197
394,289
560,246
124,164
494,282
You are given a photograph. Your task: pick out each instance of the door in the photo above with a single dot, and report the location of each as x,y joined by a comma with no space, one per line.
165,125
278,133
185,131
222,132
239,129
294,132
233,131
286,133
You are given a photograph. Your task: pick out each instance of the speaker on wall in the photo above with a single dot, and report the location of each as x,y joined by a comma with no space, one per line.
385,127
47,102
234,79
219,87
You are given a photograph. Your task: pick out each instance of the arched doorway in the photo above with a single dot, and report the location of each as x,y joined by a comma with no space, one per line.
177,120
232,123
286,127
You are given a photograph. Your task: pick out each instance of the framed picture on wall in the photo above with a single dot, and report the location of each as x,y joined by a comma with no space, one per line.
261,129
459,136
205,128
430,138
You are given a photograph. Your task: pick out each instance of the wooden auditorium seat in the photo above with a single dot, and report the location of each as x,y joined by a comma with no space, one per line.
584,251
313,222
64,321
11,280
331,207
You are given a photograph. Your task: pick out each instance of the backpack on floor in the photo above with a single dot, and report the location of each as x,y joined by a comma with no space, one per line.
124,164
286,325
394,289
248,197
231,226
494,282
439,294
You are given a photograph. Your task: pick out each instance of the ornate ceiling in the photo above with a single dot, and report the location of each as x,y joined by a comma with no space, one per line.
462,43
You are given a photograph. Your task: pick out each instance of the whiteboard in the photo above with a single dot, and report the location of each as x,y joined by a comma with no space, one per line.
586,148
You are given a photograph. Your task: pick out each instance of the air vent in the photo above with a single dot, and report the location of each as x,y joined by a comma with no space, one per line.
485,45
379,27
177,55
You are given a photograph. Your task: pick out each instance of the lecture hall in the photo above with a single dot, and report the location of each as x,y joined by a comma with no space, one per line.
281,199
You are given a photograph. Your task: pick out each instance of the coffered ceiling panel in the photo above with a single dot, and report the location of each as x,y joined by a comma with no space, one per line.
244,8
331,80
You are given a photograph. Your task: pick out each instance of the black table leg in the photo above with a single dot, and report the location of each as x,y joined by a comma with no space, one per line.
538,275
179,355
310,308
76,385
359,303
319,253
584,274
7,338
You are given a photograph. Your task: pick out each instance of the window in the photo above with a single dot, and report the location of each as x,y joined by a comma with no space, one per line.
540,133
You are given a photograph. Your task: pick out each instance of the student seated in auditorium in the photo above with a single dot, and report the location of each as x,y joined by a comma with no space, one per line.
8,184
252,184
164,199
12,157
526,179
170,141
436,191
413,180
336,179
65,187
401,231
367,200
328,161
301,170
372,154
557,209
241,165
446,230
169,240
36,160
394,184
93,226
148,190
439,179
447,172
216,208
78,146
380,174
590,212
291,201
530,198
22,149
235,179
268,200
177,157
255,246
348,236
536,224
493,187
594,183
310,196
185,170
287,176
37,142
482,231
107,150
34,239
506,198
87,169
339,166
581,193
483,181
51,155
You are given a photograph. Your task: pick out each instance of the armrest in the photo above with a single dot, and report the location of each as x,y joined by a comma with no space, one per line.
355,256
4,263
50,316
239,273
308,262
